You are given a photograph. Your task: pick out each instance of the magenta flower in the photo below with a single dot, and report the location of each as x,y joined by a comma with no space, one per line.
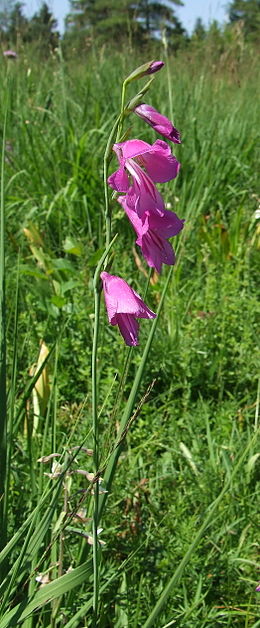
124,305
160,166
160,123
258,588
157,159
10,54
152,231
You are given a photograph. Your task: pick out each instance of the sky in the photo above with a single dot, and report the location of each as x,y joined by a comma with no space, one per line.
208,10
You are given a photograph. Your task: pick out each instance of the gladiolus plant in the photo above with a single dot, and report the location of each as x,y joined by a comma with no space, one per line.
140,167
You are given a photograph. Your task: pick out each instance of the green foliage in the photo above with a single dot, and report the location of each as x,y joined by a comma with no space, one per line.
42,29
103,19
248,12
16,28
156,16
199,31
135,22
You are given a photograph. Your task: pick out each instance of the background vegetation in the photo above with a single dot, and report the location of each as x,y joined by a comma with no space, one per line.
196,433
139,24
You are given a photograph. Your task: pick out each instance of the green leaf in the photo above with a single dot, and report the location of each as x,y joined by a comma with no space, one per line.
68,285
58,301
63,264
27,270
46,594
139,97
73,247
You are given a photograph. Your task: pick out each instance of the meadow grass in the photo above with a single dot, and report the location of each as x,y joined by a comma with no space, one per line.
181,521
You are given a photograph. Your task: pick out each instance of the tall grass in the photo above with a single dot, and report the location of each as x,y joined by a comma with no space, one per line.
180,523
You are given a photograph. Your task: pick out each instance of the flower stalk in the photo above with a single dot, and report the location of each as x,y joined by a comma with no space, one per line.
121,117
140,167
3,392
95,425
95,452
106,162
116,130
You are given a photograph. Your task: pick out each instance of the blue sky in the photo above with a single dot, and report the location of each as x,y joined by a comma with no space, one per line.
208,10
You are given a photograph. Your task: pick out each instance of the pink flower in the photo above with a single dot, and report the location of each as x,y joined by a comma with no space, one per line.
123,307
10,54
157,159
152,231
160,166
160,123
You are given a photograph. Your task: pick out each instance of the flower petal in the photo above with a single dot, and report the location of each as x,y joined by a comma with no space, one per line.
167,225
157,158
122,299
143,195
119,180
159,163
129,328
156,250
130,149
152,231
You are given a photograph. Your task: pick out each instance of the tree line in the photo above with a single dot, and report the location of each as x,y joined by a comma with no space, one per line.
138,22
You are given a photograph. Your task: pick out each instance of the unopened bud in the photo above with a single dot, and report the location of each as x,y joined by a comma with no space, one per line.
147,68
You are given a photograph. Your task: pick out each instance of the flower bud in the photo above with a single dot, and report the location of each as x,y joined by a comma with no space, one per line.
143,70
158,122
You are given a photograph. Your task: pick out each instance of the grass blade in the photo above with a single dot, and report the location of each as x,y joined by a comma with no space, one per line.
180,569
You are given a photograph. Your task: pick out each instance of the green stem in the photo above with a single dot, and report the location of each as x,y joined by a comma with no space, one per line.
96,452
111,466
3,404
116,129
57,602
121,117
107,159
95,424
94,376
169,81
127,362
121,385
9,449
53,540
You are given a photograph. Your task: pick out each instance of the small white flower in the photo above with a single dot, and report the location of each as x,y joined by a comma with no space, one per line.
90,538
56,470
